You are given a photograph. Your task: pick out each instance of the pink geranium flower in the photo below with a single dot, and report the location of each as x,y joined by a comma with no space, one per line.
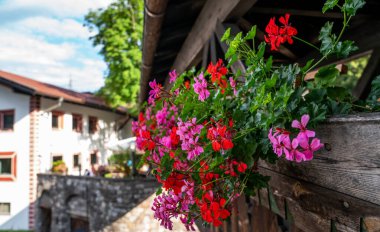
309,149
155,89
173,76
305,133
233,85
200,87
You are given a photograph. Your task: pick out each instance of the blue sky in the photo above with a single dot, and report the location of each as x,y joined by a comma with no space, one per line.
45,40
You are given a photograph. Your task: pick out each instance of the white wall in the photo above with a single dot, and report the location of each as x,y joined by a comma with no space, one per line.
68,142
16,192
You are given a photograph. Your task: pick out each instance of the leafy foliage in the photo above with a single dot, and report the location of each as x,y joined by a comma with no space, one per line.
118,31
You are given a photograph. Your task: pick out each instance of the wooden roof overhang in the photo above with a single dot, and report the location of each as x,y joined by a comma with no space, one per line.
181,34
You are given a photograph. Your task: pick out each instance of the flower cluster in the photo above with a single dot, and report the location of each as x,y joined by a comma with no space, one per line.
299,148
188,133
277,35
205,136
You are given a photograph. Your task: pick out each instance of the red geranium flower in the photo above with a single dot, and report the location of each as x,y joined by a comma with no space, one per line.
217,72
278,35
220,138
147,143
175,182
212,210
242,167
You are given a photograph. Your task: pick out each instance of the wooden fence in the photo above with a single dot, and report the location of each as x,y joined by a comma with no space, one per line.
339,190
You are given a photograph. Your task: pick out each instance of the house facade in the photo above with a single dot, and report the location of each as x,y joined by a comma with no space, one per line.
41,124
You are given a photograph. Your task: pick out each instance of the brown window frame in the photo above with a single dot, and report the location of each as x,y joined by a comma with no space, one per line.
12,176
79,163
60,115
79,126
92,122
6,112
94,153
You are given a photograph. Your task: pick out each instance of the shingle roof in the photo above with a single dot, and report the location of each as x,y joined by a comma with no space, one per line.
33,87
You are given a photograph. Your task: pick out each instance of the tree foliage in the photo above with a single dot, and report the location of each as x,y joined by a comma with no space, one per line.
118,31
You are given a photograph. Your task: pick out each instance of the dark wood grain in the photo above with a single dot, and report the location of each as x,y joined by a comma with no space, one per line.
264,220
243,214
319,204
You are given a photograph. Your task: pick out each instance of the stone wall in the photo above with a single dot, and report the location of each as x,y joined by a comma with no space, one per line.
67,203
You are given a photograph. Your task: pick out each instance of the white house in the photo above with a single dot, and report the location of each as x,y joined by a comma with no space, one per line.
41,123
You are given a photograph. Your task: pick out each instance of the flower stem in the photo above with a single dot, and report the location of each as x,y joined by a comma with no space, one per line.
304,41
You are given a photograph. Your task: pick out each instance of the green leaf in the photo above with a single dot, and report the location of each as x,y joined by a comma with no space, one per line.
344,49
166,166
329,4
338,93
159,191
307,66
326,75
251,34
226,35
326,30
351,6
261,51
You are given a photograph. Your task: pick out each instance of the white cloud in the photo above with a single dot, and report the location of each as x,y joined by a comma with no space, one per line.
16,47
64,28
60,8
89,77
45,40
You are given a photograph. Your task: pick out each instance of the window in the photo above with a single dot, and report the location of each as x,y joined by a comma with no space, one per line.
57,158
76,160
92,124
7,166
77,123
7,118
5,208
94,158
57,120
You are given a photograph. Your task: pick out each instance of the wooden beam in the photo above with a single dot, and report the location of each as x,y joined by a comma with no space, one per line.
308,13
372,70
213,49
205,52
154,15
204,27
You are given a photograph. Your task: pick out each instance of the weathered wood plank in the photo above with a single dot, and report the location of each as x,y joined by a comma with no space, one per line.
234,218
243,214
264,220
345,210
352,166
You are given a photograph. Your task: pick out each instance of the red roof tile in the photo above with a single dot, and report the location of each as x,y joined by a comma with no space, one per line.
48,90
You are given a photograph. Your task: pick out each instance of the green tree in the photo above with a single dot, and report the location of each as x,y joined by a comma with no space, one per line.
118,31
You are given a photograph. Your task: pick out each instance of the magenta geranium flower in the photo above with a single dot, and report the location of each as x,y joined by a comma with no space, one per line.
155,89
173,76
200,87
233,85
305,133
309,149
